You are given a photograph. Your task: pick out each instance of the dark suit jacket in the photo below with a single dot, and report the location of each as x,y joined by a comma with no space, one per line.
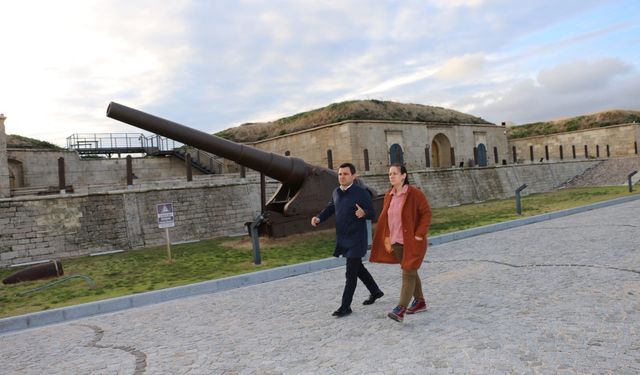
351,232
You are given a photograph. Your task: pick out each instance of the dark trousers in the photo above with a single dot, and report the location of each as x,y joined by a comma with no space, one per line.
355,271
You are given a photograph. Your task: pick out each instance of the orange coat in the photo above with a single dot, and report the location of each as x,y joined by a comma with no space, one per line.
416,218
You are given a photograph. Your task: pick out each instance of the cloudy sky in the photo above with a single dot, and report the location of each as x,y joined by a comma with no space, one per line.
216,64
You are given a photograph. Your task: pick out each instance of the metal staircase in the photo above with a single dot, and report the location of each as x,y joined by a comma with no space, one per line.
201,160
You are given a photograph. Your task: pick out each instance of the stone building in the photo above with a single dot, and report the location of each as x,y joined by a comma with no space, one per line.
4,167
373,134
606,142
372,145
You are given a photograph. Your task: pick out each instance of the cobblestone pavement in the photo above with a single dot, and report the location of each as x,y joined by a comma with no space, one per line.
556,297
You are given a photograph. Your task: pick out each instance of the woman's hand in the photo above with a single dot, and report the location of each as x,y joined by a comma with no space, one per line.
387,245
418,238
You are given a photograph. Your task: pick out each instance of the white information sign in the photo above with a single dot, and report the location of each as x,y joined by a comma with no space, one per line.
165,215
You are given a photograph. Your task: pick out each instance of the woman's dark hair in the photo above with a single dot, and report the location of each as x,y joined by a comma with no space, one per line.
403,170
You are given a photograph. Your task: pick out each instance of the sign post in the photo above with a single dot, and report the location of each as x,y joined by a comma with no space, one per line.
518,205
166,221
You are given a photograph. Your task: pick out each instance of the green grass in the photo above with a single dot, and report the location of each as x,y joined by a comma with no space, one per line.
452,219
147,269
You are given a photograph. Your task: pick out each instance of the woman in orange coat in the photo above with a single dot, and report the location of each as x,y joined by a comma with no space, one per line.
401,237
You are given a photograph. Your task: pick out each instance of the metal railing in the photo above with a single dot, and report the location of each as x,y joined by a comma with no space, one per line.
161,143
133,143
120,142
203,159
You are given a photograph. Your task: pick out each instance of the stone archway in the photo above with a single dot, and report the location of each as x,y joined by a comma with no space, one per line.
441,152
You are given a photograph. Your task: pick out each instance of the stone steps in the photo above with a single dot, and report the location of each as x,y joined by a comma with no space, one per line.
609,172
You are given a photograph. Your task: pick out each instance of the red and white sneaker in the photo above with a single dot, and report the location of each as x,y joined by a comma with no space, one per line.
418,305
397,313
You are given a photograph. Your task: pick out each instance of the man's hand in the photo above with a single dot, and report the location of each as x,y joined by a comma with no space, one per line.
315,221
360,212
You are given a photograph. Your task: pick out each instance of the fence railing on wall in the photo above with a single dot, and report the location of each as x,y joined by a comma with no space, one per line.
137,143
113,143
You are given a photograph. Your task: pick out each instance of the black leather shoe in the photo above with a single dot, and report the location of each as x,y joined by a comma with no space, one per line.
372,298
342,312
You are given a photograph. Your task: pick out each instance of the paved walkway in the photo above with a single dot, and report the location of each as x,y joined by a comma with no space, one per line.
555,297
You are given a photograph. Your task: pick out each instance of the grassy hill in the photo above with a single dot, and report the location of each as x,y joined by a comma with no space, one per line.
18,141
349,110
595,120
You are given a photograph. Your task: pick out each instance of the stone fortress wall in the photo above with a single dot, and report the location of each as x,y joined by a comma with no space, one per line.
611,141
455,186
51,227
39,168
4,168
104,214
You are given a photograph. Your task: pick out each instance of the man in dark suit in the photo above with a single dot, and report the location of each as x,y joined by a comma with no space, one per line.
352,206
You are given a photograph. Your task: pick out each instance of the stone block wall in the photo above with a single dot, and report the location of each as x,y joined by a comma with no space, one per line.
312,145
40,168
41,228
4,166
469,185
53,227
38,228
621,139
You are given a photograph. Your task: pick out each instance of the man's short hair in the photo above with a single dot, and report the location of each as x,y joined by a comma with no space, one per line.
351,167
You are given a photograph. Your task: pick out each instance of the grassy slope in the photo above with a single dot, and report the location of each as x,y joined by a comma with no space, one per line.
348,110
18,141
600,119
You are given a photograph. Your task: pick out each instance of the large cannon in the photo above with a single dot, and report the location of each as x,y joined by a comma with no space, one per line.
305,188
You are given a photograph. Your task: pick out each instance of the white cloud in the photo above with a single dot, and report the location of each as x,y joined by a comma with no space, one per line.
582,75
73,55
458,3
562,92
460,68
213,64
393,83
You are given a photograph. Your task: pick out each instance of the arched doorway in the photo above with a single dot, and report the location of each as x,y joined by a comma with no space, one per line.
16,174
395,154
482,155
441,152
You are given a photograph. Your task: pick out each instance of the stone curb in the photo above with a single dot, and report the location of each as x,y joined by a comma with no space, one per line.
63,314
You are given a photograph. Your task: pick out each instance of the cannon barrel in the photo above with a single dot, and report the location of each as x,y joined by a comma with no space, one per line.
285,169
304,190
37,272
